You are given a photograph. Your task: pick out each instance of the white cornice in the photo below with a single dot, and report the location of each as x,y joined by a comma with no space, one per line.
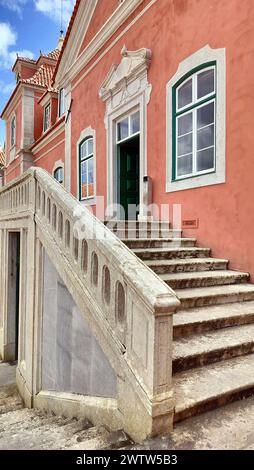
123,11
78,32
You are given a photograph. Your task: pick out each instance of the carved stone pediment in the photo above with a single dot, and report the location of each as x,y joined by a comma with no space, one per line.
132,64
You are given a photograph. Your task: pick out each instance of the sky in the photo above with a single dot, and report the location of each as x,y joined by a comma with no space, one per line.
26,27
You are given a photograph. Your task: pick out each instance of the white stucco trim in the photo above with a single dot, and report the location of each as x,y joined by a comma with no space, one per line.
88,132
67,124
68,69
206,54
27,132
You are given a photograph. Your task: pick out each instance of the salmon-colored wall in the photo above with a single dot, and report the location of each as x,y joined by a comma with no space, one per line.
101,13
7,138
27,72
13,170
18,125
173,30
54,110
51,153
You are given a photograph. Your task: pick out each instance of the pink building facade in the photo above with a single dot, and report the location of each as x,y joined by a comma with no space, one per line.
164,86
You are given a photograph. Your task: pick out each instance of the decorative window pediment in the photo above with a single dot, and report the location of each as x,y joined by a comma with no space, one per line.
133,63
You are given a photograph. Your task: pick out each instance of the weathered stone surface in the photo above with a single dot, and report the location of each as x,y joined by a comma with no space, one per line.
186,265
230,427
205,388
200,296
209,318
204,279
134,243
171,253
205,348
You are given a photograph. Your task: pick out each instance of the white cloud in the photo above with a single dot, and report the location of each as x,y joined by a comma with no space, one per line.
14,5
52,9
8,39
7,88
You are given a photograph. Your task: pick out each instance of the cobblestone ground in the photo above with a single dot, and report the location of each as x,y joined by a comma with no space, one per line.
229,427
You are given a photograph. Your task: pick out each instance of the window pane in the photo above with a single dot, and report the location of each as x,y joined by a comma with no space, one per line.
184,145
205,159
184,124
184,165
84,179
123,129
90,177
205,83
83,150
90,146
135,123
205,137
58,175
205,115
185,94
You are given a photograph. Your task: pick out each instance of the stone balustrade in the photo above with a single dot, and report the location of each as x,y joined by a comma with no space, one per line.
129,309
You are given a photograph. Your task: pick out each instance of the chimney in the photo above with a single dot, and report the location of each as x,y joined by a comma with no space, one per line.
60,41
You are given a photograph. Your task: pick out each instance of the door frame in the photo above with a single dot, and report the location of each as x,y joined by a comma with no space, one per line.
12,325
119,105
119,145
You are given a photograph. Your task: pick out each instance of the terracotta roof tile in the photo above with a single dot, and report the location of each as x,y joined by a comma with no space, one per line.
52,55
43,76
26,59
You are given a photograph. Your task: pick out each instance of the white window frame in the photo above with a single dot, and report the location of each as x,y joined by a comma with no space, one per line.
59,164
57,169
85,134
217,175
130,134
47,106
195,151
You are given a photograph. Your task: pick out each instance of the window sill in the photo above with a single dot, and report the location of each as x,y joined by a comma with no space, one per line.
91,201
198,181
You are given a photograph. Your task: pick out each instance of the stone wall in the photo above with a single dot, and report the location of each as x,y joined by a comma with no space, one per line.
72,360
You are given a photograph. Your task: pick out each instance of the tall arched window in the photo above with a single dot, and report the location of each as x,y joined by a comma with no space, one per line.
194,123
59,174
86,169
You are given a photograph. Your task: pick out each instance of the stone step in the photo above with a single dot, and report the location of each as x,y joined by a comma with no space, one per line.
171,253
159,242
187,265
205,348
202,319
147,233
206,388
204,279
135,224
201,296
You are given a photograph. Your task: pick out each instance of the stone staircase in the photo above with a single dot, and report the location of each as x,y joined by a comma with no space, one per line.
213,358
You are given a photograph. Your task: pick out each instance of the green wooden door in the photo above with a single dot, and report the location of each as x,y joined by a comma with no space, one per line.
128,161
